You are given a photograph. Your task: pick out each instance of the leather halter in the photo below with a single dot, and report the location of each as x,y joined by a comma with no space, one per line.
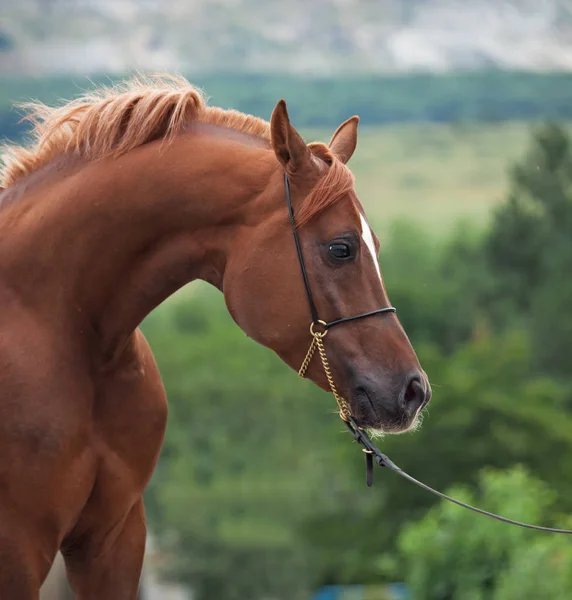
319,329
313,309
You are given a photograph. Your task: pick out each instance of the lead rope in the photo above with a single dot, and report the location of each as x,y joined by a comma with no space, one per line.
371,450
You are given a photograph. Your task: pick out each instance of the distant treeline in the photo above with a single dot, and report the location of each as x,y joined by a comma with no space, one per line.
460,97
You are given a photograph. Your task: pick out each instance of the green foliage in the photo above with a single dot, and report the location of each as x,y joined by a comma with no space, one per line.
539,569
535,220
487,411
434,284
529,249
451,554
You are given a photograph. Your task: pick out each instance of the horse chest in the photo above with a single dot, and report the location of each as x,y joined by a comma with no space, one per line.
130,413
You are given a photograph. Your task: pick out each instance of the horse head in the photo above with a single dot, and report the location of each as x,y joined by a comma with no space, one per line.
373,364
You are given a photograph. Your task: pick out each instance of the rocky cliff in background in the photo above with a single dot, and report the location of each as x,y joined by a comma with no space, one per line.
302,36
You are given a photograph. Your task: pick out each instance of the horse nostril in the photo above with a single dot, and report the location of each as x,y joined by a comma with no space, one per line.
414,393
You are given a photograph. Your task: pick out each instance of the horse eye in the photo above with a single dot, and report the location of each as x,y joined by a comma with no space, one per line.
340,251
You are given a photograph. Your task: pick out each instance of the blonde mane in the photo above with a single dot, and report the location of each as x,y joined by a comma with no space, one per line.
112,120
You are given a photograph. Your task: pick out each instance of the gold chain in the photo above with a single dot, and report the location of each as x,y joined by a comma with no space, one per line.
317,342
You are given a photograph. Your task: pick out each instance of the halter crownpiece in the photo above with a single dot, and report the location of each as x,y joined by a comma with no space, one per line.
319,329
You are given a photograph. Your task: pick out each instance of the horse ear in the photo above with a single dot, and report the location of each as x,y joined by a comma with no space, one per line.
290,149
344,141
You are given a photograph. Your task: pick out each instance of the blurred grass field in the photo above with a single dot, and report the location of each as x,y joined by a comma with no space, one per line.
434,175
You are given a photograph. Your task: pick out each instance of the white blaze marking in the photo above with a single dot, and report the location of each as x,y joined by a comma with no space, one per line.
367,237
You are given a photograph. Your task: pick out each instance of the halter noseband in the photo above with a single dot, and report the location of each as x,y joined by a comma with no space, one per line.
319,328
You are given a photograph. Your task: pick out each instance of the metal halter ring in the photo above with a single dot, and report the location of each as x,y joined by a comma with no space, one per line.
320,334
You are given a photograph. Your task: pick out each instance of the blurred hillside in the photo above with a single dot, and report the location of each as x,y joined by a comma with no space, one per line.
383,36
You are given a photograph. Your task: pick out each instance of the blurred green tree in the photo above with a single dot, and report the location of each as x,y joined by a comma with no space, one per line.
450,556
529,250
489,410
435,283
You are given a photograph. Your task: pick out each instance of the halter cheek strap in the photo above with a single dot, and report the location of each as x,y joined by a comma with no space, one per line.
319,330
313,309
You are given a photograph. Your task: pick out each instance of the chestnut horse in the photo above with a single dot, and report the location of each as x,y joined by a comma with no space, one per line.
124,196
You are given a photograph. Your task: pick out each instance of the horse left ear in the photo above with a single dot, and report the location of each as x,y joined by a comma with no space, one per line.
344,141
290,149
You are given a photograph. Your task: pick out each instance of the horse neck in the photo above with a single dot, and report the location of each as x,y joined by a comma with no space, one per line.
121,236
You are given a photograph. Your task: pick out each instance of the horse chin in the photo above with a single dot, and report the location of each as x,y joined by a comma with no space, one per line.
380,431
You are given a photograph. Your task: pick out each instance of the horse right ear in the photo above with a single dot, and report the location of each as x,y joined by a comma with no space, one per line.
290,149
